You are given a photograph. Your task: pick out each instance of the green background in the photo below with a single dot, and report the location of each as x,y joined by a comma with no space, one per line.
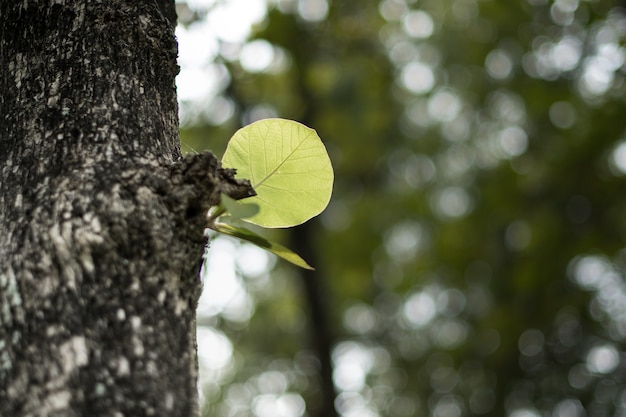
471,261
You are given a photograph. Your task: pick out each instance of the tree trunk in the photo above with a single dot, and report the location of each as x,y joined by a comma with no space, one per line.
101,219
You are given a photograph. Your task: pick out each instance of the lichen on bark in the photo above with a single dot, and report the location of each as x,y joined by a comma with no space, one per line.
102,218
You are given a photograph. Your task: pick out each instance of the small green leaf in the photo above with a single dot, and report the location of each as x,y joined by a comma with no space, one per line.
289,168
261,242
238,210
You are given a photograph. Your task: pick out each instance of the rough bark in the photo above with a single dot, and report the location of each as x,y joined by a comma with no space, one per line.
101,219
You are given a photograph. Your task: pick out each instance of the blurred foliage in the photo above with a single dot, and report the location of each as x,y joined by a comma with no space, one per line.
472,258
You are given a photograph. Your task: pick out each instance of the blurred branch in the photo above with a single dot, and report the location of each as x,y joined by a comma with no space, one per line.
319,326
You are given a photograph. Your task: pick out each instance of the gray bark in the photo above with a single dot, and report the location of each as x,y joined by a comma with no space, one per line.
101,219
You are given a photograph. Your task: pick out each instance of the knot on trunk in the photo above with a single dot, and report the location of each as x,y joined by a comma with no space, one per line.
198,180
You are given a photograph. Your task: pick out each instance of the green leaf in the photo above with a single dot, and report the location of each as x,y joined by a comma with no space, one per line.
289,168
261,242
238,210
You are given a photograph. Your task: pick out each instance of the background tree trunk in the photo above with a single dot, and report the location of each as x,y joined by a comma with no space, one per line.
101,220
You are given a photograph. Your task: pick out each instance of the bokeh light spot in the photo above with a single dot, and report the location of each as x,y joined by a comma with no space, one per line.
449,334
313,10
285,405
418,78
418,24
447,406
589,271
360,318
531,342
352,364
499,64
444,106
404,240
419,309
513,141
257,56
579,376
253,261
525,412
618,157
452,202
518,235
569,408
392,10
214,349
231,20
603,359
562,114
444,379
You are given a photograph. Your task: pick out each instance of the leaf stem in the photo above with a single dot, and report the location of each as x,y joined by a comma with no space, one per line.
214,213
